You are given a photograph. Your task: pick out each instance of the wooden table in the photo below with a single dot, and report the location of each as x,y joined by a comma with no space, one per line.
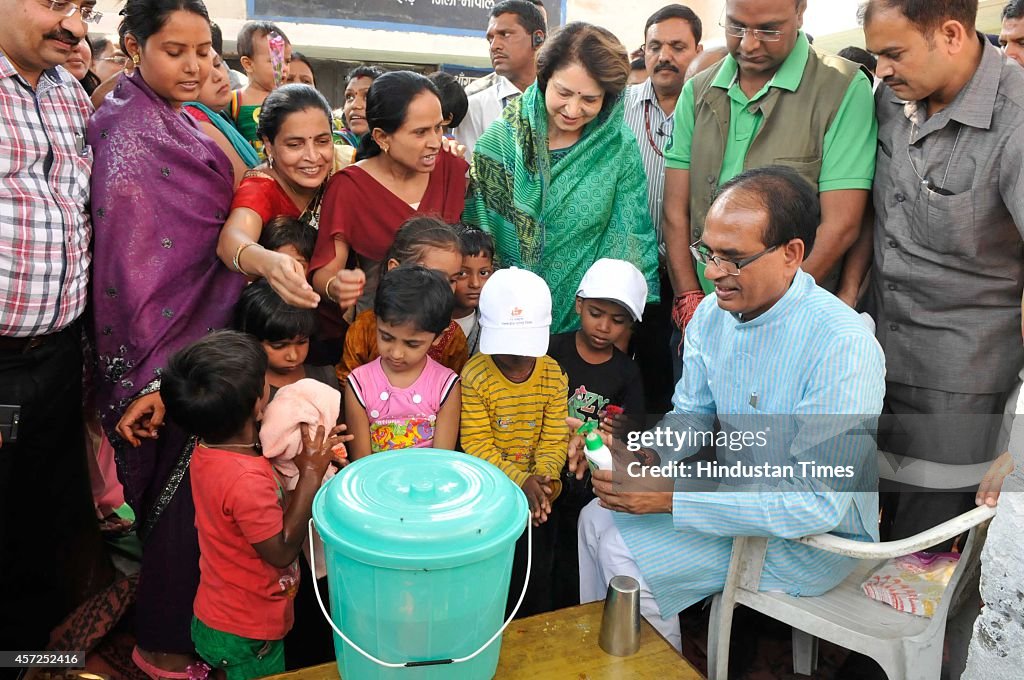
563,644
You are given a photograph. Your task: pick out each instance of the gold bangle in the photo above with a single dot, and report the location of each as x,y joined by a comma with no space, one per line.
238,255
327,289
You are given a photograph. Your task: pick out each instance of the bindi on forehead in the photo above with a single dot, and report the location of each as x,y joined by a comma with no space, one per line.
360,84
302,138
568,88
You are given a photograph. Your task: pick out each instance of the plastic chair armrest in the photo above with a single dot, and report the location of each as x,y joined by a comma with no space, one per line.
906,546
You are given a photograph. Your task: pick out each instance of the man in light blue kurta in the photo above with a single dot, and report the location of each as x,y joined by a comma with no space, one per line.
770,347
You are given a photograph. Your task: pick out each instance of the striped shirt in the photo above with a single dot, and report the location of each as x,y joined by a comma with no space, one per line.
643,114
809,355
519,427
45,168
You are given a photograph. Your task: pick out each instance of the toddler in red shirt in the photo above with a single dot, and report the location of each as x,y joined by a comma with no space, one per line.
249,534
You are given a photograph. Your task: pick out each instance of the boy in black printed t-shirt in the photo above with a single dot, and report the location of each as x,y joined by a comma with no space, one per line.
604,385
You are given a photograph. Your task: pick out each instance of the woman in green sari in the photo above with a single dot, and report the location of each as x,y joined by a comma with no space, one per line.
558,180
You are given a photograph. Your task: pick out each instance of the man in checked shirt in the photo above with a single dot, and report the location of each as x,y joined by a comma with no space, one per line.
50,550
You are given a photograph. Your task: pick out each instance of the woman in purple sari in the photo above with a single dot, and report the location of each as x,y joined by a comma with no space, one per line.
161,191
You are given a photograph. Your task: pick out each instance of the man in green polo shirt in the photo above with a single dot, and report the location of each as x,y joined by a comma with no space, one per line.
774,100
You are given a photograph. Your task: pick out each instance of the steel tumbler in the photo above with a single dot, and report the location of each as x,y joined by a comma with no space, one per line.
620,625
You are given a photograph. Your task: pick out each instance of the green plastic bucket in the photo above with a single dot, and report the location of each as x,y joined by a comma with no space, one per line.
419,547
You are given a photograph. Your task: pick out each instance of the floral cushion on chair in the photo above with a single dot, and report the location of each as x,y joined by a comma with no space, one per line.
912,583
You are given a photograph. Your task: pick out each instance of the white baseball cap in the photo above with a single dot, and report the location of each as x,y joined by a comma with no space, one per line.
618,281
515,314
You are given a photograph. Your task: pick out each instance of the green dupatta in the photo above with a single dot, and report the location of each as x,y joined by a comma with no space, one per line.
240,144
557,220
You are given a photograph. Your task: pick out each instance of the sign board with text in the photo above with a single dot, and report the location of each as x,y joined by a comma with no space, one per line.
450,17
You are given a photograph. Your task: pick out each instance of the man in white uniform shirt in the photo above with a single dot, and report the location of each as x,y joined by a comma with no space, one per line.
515,32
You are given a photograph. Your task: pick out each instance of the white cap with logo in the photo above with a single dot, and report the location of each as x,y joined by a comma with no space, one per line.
618,281
515,314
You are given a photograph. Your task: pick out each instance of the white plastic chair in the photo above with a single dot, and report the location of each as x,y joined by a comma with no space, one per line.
906,646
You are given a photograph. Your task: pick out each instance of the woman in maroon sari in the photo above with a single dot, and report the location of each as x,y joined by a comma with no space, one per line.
403,170
160,192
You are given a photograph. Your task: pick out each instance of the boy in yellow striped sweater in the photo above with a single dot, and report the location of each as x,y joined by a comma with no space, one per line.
514,410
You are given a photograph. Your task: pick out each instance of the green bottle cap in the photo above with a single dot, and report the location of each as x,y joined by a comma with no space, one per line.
593,441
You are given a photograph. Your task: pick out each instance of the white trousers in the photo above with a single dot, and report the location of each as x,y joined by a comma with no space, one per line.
604,555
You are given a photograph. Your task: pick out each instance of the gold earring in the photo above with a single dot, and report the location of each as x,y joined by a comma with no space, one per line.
270,160
384,148
136,59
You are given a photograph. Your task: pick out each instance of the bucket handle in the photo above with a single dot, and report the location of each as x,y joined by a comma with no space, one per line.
435,662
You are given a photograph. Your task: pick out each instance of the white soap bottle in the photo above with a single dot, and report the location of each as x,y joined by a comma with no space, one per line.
598,455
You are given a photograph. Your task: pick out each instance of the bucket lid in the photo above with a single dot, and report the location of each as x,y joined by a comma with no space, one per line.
420,508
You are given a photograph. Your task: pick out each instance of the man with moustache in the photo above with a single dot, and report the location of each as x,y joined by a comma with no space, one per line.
515,33
948,271
671,41
51,554
1011,35
773,100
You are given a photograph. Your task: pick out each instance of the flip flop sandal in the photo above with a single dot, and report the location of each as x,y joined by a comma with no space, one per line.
196,671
